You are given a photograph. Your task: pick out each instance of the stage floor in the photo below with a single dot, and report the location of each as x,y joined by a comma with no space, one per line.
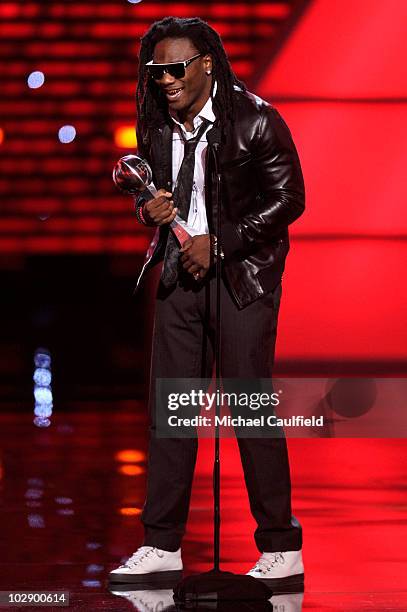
71,493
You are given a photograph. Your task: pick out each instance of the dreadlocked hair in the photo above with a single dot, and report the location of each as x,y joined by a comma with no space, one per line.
151,102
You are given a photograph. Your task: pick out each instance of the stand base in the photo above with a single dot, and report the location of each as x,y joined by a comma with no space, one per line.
216,585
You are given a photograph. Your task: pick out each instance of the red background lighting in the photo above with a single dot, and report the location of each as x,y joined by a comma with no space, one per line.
335,72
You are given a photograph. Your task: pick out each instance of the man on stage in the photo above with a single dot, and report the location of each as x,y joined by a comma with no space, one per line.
186,87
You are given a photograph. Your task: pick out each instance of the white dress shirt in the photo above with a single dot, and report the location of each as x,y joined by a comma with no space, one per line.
197,220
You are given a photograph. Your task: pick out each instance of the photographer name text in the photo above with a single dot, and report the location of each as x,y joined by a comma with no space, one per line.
240,421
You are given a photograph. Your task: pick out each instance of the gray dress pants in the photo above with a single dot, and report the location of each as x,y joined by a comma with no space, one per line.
183,344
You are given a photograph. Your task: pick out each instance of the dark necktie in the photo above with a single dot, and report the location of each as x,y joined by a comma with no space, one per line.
182,200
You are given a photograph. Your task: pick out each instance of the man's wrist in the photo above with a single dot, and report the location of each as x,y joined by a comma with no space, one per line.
140,215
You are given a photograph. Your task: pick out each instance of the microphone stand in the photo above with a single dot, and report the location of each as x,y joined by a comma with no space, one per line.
218,275
216,584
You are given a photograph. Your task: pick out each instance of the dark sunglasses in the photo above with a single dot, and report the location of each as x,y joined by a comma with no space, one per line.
175,69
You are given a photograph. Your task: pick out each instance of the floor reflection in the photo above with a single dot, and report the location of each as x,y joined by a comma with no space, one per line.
71,494
148,601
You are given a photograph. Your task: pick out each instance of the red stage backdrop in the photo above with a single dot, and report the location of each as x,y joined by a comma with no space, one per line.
334,71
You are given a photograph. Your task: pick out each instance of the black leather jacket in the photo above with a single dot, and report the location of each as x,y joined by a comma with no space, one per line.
262,193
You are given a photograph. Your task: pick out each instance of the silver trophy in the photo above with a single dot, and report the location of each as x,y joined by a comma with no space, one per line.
133,175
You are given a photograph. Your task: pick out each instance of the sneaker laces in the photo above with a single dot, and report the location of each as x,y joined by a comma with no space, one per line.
139,556
265,564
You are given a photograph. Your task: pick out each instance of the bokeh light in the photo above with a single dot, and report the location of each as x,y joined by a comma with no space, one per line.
125,137
130,456
131,470
36,79
42,358
42,377
66,134
129,511
43,395
42,388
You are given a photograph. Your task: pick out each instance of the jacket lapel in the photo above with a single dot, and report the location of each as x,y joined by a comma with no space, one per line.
162,157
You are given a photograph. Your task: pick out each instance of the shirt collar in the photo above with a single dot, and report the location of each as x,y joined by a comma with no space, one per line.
205,113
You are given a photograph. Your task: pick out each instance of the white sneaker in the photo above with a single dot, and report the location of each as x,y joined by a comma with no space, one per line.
282,571
149,564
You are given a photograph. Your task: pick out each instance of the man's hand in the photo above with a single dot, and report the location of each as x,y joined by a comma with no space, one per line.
160,210
196,256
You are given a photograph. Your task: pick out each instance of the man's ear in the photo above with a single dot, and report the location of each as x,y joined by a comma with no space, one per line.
208,63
